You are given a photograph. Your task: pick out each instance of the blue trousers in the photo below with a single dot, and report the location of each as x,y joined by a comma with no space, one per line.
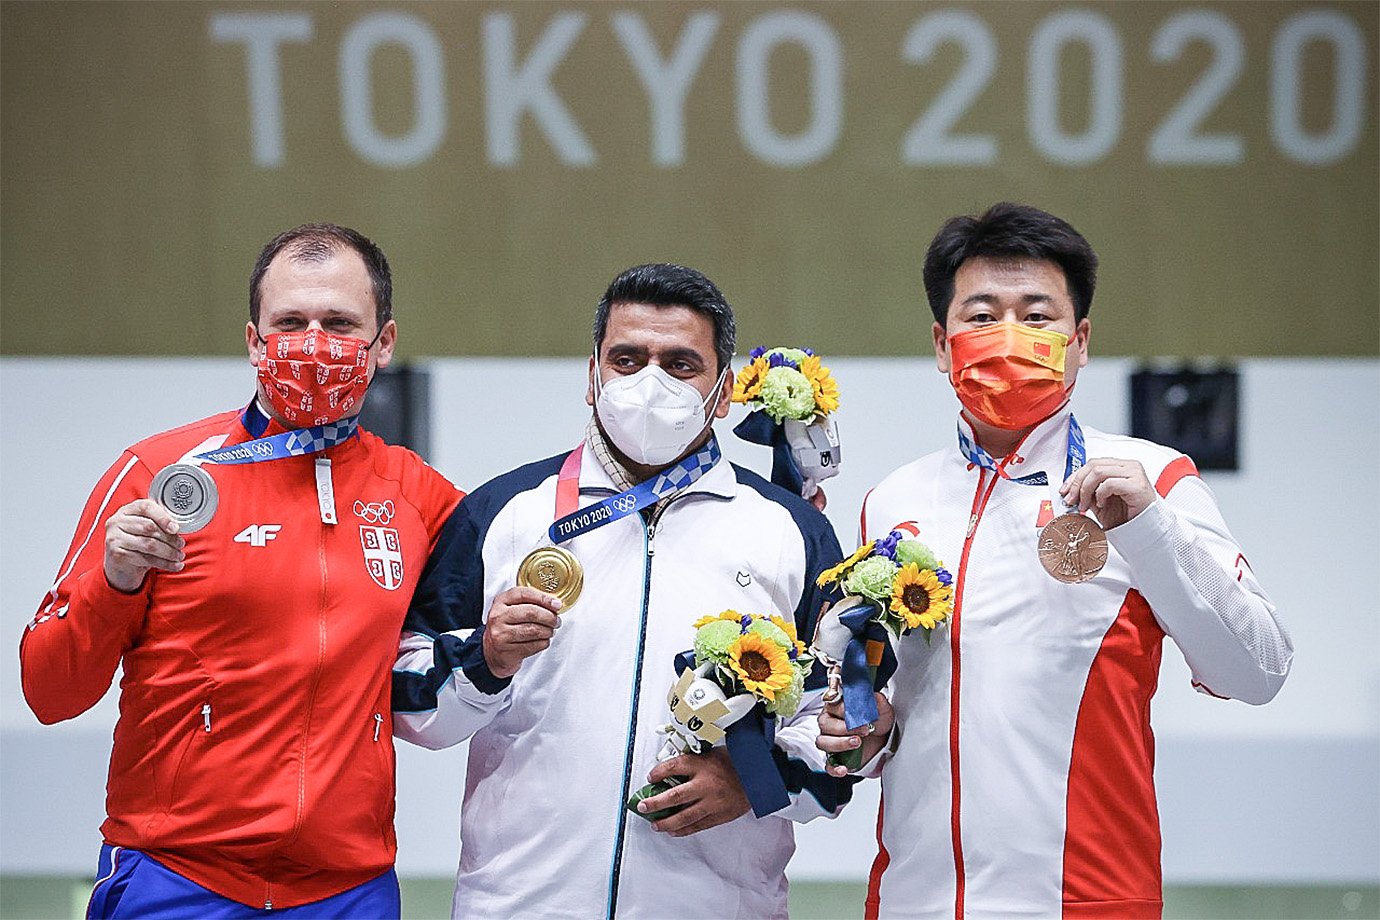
130,884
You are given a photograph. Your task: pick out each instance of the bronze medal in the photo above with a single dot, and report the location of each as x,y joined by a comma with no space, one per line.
555,571
1073,548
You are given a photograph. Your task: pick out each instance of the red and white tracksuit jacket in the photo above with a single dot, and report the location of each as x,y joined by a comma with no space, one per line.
253,753
1019,781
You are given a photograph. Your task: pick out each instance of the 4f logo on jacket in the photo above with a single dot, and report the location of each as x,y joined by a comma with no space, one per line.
382,548
258,534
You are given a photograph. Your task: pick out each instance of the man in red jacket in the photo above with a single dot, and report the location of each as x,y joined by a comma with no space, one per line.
250,572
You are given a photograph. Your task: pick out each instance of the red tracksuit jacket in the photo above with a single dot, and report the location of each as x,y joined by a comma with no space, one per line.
253,753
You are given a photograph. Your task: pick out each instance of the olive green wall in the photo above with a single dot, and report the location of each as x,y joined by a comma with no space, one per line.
1222,158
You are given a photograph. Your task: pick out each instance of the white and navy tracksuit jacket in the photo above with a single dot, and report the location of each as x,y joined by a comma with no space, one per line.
556,751
1021,783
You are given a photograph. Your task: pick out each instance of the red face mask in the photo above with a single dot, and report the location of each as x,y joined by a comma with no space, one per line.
1009,375
313,377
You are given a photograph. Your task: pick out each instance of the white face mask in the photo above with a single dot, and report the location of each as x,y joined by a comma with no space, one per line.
651,416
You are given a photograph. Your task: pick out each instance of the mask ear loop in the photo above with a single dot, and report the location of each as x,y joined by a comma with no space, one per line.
598,378
714,392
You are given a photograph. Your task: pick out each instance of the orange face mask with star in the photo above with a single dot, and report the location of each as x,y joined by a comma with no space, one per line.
1009,375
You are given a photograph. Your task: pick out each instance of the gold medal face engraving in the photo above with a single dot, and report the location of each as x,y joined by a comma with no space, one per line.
555,571
188,492
1073,548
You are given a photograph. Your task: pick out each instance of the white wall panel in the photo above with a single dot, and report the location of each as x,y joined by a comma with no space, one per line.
1285,792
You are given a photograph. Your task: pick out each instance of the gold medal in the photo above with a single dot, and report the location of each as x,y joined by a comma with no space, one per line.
1073,548
555,571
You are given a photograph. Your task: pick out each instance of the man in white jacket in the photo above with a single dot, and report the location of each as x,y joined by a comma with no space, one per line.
562,699
1017,778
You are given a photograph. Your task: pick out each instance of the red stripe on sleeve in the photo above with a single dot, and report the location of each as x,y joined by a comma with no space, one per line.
862,519
1172,473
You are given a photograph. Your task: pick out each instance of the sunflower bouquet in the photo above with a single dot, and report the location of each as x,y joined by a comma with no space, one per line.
787,383
755,654
892,587
740,662
902,577
792,396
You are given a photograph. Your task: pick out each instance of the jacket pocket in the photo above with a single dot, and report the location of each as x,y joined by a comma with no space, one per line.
203,725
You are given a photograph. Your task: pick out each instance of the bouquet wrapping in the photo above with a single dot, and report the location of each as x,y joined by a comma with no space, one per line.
744,670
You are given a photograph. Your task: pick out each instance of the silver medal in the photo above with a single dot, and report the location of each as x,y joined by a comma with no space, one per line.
189,494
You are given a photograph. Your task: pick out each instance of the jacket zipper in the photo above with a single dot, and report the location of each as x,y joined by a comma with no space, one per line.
650,530
315,687
206,716
378,724
975,514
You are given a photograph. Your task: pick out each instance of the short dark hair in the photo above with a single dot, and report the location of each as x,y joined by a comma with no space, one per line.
664,284
317,243
1009,231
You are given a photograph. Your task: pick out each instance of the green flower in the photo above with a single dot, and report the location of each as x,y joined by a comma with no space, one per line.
913,551
794,355
713,639
872,579
787,393
772,633
788,700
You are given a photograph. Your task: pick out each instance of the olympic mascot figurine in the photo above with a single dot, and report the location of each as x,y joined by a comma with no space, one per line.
700,715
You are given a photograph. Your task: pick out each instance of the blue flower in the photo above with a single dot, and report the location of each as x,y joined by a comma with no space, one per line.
887,546
944,577
776,359
745,622
757,352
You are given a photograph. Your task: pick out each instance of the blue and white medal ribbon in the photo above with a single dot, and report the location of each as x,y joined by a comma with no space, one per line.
1076,457
296,443
643,495
190,495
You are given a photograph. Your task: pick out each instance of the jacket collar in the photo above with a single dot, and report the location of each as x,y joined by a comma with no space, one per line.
254,422
1044,449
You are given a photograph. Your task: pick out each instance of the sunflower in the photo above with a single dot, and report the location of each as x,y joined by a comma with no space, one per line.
732,615
748,384
826,389
787,627
761,665
919,598
829,576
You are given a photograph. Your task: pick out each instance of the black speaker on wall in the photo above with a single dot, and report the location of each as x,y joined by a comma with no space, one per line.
1191,409
398,407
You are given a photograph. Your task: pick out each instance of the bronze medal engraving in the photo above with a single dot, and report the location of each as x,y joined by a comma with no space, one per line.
1073,548
555,571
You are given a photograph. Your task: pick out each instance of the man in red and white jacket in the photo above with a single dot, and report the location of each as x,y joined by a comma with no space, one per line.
1017,764
253,762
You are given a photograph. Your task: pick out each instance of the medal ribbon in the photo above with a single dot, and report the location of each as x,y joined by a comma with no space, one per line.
1076,457
570,524
296,443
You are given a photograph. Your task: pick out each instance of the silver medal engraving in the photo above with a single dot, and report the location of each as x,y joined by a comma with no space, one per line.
189,494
